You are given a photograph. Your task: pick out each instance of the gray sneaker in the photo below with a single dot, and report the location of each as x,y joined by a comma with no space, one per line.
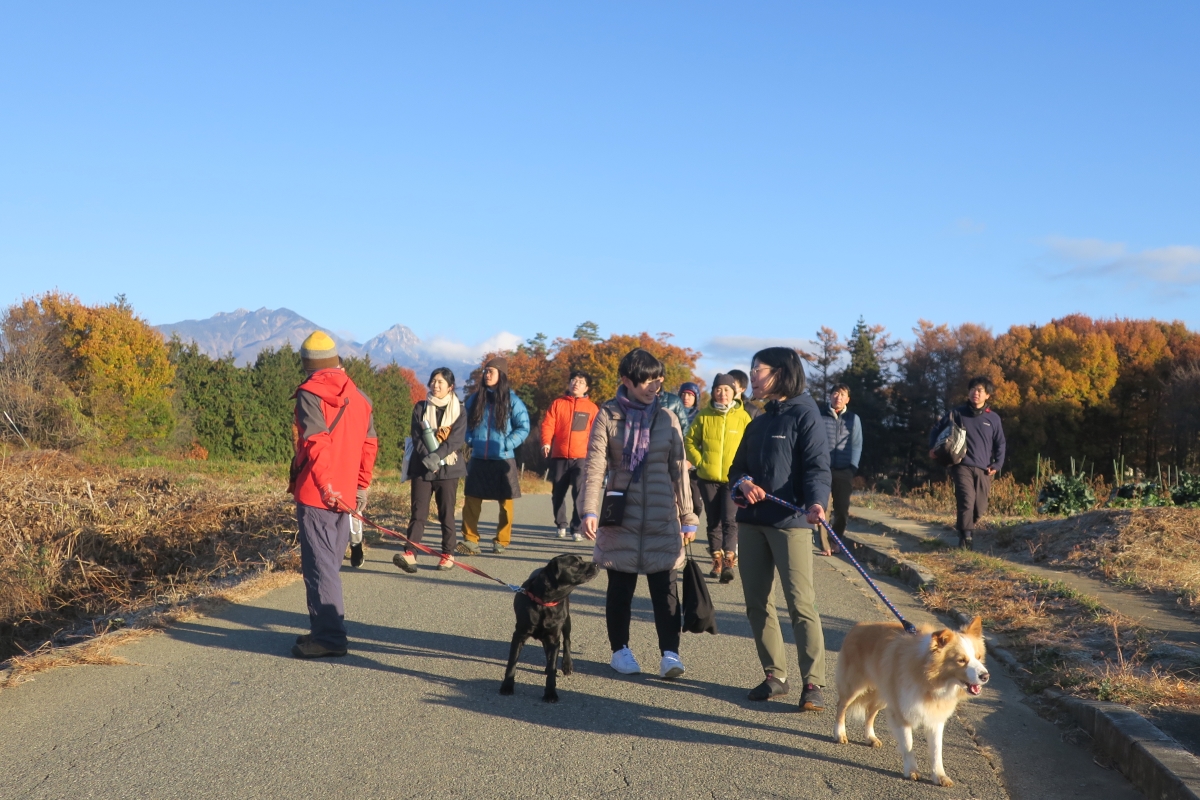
498,548
466,548
811,698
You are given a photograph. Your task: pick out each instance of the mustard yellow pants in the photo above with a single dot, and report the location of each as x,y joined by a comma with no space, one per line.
470,526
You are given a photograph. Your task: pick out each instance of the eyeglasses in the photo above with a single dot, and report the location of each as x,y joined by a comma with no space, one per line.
760,368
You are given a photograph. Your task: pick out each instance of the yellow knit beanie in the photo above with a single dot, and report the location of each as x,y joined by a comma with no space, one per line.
319,351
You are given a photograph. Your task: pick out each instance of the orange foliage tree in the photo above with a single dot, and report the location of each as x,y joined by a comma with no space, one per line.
115,365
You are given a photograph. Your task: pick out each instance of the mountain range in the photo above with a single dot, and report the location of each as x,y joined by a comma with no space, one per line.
243,334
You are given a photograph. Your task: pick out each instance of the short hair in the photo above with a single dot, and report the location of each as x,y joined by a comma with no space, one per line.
445,373
789,372
743,380
640,366
984,381
577,373
840,387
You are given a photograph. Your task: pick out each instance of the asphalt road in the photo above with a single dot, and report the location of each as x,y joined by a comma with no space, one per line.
217,708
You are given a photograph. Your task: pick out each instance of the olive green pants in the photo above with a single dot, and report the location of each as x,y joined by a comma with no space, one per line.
763,551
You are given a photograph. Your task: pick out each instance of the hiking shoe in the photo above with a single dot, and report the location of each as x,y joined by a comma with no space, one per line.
446,562
966,542
811,698
562,533
718,560
356,555
577,536
311,649
498,549
467,548
302,638
770,687
624,662
406,561
671,666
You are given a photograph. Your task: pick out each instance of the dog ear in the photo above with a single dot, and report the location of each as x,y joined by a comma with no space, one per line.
551,571
941,638
974,628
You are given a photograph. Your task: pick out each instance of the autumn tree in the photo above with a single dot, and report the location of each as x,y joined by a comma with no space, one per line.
824,362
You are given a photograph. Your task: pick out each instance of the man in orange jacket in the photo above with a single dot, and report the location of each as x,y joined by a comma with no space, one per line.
334,435
566,429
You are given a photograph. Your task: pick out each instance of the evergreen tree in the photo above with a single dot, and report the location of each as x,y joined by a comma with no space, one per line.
868,398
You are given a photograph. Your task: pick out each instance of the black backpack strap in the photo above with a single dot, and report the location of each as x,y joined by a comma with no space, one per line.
338,418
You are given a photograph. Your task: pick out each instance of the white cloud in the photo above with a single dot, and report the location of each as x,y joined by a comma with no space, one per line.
1175,266
722,353
450,350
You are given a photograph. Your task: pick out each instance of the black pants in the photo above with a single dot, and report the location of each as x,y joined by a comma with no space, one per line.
445,492
664,596
566,473
720,514
971,488
838,509
697,501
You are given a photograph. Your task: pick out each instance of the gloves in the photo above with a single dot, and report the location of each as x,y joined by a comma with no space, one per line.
432,462
360,499
331,497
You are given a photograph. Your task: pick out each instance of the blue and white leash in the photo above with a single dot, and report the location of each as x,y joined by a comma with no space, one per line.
908,626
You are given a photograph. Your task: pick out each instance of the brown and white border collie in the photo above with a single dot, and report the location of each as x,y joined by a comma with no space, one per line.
918,678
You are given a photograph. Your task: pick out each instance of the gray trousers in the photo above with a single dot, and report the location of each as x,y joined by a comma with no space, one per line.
764,550
324,535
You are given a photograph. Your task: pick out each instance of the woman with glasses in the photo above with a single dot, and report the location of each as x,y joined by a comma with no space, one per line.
785,453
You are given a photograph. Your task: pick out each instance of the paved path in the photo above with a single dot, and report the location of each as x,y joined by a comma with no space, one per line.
216,708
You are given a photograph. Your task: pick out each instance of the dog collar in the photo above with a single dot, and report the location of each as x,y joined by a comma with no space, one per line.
537,599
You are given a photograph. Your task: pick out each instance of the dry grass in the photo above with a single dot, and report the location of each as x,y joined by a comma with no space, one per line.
1063,638
82,541
1151,549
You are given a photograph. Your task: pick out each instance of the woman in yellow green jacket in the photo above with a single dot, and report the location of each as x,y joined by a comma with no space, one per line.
710,443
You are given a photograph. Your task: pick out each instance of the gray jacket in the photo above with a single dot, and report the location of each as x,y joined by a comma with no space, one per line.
656,507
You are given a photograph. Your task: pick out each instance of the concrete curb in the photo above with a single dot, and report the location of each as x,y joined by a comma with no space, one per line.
1152,761
905,570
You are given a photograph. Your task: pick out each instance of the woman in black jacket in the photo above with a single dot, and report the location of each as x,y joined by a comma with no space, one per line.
435,474
785,453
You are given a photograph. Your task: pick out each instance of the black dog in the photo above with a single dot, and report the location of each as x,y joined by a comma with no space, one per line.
543,609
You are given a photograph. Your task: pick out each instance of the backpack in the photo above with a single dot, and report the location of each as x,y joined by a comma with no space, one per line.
699,616
951,445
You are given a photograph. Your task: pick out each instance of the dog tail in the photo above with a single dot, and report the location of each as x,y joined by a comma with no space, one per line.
857,711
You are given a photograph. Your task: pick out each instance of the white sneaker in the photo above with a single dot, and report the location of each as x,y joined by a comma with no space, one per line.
624,662
578,536
671,666
562,533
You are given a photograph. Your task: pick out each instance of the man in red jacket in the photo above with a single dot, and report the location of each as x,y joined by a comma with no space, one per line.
566,429
334,435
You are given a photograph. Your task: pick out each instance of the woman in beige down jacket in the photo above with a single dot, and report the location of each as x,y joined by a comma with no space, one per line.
638,445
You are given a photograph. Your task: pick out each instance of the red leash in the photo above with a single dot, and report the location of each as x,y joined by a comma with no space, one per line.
457,563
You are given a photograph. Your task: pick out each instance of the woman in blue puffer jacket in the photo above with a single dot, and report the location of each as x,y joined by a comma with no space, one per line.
497,424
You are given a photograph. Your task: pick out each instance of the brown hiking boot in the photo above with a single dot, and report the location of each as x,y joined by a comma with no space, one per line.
718,562
727,573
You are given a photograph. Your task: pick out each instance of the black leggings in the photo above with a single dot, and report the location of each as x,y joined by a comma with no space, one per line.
664,596
444,493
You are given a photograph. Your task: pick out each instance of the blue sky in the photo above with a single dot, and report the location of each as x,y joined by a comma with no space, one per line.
732,173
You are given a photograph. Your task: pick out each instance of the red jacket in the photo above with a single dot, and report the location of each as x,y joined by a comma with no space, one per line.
568,425
343,456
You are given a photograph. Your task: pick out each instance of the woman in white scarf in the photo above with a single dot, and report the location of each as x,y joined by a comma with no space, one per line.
435,474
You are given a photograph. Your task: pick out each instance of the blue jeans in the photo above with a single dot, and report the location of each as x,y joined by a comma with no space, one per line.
324,535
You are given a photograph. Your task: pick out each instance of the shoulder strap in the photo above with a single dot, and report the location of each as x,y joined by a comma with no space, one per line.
338,418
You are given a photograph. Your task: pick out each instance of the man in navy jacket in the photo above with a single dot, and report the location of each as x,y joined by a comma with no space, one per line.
985,456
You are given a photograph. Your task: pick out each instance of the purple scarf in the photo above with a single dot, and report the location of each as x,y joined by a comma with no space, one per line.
638,419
